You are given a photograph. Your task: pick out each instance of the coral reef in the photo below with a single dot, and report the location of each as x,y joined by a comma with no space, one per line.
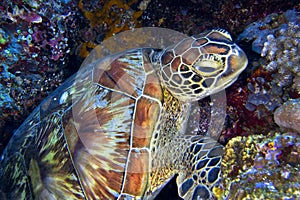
261,167
240,120
236,14
282,52
259,30
271,78
107,18
264,164
282,65
34,44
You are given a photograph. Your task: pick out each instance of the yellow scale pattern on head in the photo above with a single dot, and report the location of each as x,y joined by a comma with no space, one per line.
212,56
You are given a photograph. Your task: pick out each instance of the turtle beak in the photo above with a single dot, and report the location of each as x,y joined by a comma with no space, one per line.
235,64
238,60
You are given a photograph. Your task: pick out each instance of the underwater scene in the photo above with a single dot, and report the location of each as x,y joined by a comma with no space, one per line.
148,99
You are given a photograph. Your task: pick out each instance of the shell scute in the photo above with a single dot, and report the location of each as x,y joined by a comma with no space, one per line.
16,185
110,117
152,87
67,94
103,140
145,120
137,172
125,73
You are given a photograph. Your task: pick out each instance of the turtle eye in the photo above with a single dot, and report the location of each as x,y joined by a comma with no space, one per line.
209,65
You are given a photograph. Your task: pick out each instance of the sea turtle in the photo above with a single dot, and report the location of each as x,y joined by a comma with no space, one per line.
116,129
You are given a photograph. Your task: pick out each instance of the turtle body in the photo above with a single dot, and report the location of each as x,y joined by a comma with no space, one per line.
116,129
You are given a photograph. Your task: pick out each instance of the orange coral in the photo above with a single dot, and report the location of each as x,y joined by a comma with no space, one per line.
111,18
85,48
115,15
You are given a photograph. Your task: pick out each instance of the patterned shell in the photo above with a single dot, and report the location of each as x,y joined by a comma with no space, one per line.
115,130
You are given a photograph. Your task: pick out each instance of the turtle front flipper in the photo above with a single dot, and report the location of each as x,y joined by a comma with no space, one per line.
199,170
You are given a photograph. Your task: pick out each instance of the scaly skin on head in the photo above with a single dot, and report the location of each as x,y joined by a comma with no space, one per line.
201,65
189,71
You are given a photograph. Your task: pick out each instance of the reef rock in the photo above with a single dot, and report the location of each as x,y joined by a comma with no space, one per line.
288,115
261,167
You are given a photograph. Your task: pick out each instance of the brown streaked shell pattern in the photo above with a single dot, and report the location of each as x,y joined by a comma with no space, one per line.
114,130
90,139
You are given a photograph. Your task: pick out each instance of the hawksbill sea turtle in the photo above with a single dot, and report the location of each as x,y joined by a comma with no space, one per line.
116,129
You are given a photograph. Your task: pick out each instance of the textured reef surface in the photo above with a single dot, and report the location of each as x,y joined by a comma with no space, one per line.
261,167
44,42
273,74
35,50
263,163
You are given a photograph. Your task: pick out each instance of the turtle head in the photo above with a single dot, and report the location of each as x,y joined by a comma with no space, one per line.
201,65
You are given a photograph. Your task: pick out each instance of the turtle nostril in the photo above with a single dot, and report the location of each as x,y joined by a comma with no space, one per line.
236,50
